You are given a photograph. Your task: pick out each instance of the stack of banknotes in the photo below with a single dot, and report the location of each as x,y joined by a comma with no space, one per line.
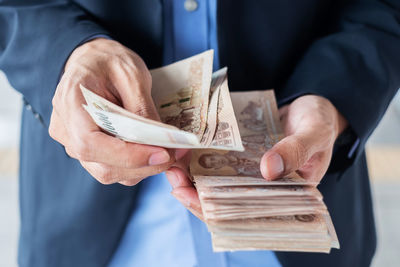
243,211
229,133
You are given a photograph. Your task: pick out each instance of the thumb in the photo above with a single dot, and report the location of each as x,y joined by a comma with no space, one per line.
287,156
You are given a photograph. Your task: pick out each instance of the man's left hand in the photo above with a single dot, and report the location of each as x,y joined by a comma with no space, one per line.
311,125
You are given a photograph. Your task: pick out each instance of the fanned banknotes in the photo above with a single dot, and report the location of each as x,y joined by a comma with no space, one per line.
231,132
192,103
242,210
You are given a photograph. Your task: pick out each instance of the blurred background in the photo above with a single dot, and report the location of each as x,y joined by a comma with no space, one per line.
383,151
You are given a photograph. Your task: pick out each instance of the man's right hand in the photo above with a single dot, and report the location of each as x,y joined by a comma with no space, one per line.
118,74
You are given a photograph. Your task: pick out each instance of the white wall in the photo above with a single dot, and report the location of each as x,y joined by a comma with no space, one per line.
10,112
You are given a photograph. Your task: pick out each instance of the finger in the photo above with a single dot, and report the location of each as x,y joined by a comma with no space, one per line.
180,153
89,143
102,148
106,174
189,198
128,182
133,84
70,153
315,168
178,177
183,190
57,129
58,132
288,155
184,162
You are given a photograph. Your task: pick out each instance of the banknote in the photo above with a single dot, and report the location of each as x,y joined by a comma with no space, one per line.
127,129
181,92
126,125
309,233
270,201
259,127
246,181
234,244
187,97
227,135
242,210
313,223
217,79
258,191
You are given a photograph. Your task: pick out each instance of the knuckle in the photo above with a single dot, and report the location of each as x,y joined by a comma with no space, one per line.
132,162
105,175
161,168
55,134
135,156
52,131
115,62
82,151
144,109
131,182
54,101
69,152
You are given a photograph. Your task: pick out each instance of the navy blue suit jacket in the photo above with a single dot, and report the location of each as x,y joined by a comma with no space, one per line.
347,51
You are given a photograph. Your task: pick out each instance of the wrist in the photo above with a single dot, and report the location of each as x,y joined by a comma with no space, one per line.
338,120
100,44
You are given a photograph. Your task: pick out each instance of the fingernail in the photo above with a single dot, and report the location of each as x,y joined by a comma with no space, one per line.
275,165
159,158
172,178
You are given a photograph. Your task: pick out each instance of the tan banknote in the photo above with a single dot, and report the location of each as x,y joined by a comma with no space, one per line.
181,92
243,211
217,79
227,135
133,128
185,93
259,127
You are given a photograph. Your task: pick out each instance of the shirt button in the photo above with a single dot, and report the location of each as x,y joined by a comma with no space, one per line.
191,5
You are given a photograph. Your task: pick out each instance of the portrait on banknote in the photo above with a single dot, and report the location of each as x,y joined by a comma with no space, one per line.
232,160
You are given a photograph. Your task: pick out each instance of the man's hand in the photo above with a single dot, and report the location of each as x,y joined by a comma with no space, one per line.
119,75
311,125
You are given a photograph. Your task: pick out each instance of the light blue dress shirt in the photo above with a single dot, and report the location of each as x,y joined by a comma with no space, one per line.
161,232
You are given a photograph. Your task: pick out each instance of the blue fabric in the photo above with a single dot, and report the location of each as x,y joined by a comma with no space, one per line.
189,33
160,219
158,230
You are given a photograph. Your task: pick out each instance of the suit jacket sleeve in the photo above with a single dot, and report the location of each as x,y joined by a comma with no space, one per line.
357,66
36,39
